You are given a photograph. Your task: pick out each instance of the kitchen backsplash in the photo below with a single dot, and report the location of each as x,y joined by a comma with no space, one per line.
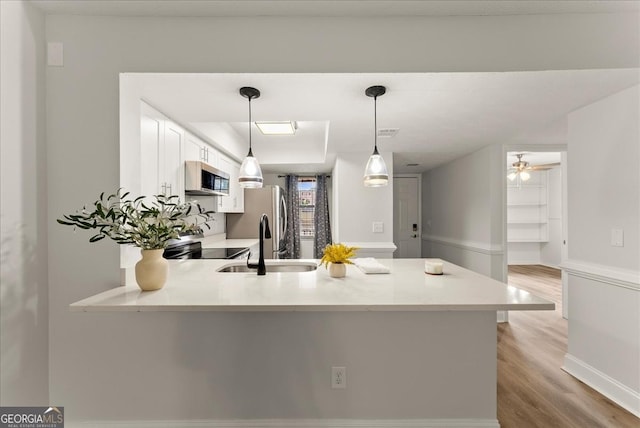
217,224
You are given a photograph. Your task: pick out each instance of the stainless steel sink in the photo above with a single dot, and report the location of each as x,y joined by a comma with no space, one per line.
272,267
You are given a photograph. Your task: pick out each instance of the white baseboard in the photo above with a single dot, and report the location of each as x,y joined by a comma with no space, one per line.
620,394
300,423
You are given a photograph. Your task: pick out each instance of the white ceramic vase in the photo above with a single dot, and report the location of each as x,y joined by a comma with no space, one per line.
151,270
337,270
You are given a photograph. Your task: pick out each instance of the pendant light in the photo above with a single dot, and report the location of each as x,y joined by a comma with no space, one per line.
250,175
375,174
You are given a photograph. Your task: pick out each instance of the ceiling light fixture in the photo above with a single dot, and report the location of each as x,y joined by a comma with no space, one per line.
518,170
250,173
277,128
375,174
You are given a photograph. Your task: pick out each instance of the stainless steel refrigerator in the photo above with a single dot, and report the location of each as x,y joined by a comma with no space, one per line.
270,201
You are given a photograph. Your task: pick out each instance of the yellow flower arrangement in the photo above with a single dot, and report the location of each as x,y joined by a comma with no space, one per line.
337,253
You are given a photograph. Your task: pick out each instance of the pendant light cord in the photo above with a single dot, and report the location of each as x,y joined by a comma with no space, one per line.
250,152
375,125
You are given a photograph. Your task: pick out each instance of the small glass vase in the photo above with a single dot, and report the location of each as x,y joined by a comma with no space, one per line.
337,270
151,270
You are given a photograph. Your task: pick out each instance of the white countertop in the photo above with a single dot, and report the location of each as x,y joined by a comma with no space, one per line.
195,285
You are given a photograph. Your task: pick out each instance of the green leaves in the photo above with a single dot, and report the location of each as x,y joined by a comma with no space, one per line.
146,222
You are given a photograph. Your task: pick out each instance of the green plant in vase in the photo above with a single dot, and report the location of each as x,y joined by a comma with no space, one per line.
145,222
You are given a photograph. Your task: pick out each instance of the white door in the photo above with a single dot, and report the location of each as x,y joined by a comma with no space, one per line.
406,221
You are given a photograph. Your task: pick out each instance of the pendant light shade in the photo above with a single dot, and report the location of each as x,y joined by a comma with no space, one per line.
250,172
375,174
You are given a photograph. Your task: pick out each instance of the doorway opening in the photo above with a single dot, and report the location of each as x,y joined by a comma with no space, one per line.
536,212
407,215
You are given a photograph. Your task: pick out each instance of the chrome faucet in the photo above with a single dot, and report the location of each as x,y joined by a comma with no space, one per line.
263,233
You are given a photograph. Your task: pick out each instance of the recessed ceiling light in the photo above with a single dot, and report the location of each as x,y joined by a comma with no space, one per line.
277,128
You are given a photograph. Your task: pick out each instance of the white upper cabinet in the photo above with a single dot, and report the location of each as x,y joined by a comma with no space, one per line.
198,150
234,203
162,154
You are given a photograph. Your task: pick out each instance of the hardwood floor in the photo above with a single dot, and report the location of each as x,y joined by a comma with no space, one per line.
533,391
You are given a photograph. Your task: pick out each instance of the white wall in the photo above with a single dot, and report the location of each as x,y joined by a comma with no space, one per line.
356,207
169,355
604,284
462,212
550,251
24,314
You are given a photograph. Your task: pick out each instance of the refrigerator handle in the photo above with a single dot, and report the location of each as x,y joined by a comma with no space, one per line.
285,224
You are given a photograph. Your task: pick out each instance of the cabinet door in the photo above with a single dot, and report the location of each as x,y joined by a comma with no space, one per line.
192,148
172,159
210,155
234,203
238,202
225,203
197,150
151,140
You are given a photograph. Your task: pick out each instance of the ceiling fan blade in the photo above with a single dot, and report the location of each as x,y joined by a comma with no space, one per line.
544,166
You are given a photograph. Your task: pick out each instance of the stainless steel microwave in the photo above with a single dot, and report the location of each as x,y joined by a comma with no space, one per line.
203,179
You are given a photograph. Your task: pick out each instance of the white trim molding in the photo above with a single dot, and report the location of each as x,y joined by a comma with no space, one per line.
477,247
379,249
621,394
608,274
301,423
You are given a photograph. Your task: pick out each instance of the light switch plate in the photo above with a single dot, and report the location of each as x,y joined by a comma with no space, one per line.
617,238
378,227
55,54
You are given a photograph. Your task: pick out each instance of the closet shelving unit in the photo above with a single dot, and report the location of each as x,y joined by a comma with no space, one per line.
527,209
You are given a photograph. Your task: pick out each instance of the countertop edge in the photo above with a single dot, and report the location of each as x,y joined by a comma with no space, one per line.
313,308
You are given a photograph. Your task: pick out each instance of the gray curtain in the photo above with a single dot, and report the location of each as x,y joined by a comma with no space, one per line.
292,237
321,222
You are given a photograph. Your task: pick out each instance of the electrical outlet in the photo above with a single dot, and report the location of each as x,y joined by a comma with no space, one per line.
378,227
338,377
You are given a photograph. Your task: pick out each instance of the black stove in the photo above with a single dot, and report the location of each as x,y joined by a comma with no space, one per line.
194,250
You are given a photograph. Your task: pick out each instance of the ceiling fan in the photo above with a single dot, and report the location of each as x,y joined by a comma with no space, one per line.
521,169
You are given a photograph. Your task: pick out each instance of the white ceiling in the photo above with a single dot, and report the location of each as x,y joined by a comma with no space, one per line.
441,116
226,8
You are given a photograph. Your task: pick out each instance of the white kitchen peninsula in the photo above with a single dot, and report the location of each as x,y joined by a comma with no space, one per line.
421,348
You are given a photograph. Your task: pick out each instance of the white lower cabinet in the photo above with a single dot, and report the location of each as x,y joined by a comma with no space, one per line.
234,203
162,159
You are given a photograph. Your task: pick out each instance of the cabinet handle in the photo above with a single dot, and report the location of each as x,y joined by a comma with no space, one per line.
170,188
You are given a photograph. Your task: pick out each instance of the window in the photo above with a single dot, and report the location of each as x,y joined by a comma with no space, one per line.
307,195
